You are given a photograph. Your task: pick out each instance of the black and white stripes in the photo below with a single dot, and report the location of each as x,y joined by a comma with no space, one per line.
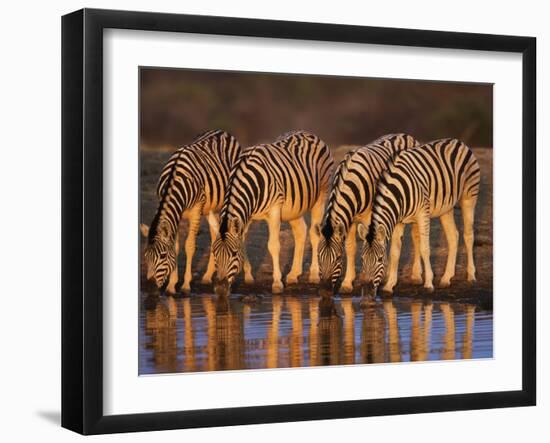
275,182
420,184
350,202
191,184
376,190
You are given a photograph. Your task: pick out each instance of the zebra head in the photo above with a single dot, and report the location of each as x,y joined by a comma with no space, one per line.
330,254
373,258
228,251
160,253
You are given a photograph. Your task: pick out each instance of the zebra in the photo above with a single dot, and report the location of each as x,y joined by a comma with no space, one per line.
191,184
274,182
350,203
421,184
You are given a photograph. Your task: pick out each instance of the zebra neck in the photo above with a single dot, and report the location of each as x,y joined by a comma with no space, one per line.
386,219
233,213
338,220
168,218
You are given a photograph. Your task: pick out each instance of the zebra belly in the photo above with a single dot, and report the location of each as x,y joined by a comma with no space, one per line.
289,212
211,206
439,211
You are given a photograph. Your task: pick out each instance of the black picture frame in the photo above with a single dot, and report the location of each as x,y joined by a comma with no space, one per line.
82,220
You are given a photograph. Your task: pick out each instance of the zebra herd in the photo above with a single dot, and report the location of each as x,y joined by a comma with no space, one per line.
374,191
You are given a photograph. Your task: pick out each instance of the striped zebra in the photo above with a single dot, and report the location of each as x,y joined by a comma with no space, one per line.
274,182
421,184
191,184
350,203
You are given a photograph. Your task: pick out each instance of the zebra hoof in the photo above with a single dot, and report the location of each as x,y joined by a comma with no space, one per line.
171,291
206,281
471,280
416,280
291,280
429,289
249,281
186,289
277,288
314,278
444,284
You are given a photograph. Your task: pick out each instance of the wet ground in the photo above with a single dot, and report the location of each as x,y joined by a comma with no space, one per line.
202,333
198,333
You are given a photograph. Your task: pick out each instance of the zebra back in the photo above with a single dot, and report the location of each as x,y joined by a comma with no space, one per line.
438,174
354,183
295,169
197,171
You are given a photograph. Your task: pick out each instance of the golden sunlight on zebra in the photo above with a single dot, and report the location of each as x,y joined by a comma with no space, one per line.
278,238
375,190
421,184
191,184
276,182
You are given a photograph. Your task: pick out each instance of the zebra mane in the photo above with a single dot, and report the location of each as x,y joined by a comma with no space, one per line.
370,233
327,229
224,215
205,134
164,193
375,208
164,186
290,134
182,150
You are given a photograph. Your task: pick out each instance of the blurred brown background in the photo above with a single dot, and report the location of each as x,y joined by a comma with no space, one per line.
177,104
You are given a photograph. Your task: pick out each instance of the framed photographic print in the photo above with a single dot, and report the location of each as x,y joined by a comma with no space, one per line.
269,221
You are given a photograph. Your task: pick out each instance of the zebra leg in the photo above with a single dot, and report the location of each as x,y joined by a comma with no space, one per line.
247,267
274,247
395,252
190,243
424,228
468,206
451,233
317,212
299,231
213,224
351,246
416,272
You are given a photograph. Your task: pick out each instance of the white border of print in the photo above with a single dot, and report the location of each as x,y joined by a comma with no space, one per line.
125,392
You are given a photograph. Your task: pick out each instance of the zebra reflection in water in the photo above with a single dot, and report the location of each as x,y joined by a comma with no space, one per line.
206,333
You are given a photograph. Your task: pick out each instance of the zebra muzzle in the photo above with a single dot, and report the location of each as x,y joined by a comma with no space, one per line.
222,287
359,282
368,291
326,289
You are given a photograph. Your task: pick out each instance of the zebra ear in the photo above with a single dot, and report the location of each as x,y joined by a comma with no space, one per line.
164,230
213,220
380,234
144,229
362,230
339,231
235,226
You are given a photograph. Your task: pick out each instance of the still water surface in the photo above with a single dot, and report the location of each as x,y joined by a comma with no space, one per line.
203,334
